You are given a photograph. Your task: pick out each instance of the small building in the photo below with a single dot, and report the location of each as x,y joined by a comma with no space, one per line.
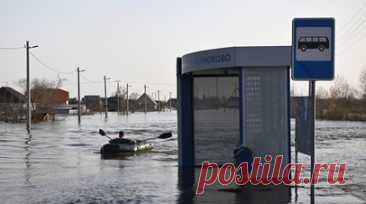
93,102
172,103
132,105
12,105
160,105
50,100
50,96
61,100
116,104
73,101
60,96
10,95
146,102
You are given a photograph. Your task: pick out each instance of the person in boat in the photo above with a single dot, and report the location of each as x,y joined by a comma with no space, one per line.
121,140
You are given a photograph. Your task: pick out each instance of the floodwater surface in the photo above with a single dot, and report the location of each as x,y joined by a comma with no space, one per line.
60,162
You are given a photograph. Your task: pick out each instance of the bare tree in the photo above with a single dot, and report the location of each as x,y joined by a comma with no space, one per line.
38,83
342,89
321,93
22,84
59,81
42,97
121,92
134,96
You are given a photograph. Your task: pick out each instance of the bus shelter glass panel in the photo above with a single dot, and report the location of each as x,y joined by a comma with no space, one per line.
265,107
216,118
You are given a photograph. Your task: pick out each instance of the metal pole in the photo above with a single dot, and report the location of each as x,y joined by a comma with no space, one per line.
105,98
29,111
312,136
170,101
29,108
159,100
79,109
165,104
145,98
127,99
78,70
296,161
117,97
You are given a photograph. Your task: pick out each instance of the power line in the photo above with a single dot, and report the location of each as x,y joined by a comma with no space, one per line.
356,40
351,44
352,19
355,30
11,48
47,66
90,81
154,83
353,27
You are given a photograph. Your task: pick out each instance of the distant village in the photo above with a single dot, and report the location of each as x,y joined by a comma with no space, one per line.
48,102
340,102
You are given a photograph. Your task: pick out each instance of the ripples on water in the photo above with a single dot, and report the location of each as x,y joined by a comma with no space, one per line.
60,161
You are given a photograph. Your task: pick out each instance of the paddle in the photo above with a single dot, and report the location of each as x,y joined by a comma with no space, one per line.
102,133
164,135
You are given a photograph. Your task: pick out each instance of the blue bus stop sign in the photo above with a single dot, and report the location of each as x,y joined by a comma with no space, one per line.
313,49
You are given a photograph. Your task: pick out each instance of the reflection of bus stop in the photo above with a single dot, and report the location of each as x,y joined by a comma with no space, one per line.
232,97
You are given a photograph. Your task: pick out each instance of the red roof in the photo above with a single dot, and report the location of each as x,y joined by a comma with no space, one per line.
59,96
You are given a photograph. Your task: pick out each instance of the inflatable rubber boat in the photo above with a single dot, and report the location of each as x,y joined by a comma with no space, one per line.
120,145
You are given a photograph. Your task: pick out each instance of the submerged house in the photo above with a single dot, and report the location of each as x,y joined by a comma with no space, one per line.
172,102
146,101
93,103
11,104
50,100
10,95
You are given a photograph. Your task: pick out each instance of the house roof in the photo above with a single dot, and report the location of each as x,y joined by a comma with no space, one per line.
148,98
13,92
59,90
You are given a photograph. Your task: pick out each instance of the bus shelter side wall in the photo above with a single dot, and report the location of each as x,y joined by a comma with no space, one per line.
185,117
265,111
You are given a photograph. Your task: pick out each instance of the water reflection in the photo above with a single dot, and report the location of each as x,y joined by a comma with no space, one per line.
27,148
235,195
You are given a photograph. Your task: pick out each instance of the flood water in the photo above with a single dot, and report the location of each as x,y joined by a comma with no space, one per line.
60,162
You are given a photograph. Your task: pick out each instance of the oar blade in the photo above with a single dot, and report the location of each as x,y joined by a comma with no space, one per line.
101,132
165,135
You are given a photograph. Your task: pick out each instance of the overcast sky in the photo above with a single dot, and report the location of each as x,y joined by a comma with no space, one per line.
138,41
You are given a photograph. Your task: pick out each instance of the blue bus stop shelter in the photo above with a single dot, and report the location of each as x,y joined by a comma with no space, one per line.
232,97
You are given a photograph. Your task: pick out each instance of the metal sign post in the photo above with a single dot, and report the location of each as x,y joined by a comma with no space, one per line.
312,134
312,59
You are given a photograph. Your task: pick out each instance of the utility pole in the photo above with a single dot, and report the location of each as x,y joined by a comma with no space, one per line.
159,100
29,110
165,102
105,97
79,106
145,99
312,103
118,97
170,101
127,98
